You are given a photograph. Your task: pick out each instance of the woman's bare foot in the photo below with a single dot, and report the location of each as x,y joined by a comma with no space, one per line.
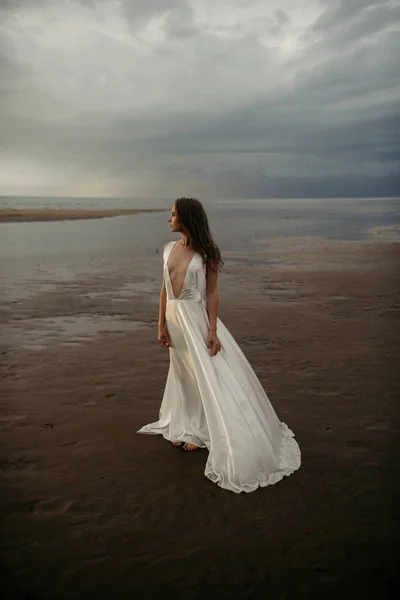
189,447
177,444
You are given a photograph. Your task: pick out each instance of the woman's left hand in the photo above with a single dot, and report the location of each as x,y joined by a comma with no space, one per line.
213,343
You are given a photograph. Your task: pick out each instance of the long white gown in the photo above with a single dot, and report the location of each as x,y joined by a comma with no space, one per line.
218,402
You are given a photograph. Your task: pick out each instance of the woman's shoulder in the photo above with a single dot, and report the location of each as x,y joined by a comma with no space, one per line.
167,248
168,245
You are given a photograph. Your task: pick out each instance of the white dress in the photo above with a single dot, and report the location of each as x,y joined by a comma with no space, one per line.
217,402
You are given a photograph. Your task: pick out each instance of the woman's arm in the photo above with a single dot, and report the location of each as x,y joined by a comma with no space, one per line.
212,310
163,336
212,299
163,305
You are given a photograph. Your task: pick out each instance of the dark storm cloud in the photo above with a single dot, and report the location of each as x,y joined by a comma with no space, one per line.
297,98
353,31
339,12
140,10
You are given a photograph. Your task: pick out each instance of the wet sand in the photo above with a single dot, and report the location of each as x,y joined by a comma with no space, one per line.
55,214
92,510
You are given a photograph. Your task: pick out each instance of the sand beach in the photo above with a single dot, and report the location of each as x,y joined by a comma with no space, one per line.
90,509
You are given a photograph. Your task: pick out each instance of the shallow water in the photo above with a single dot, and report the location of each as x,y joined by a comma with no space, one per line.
40,253
237,225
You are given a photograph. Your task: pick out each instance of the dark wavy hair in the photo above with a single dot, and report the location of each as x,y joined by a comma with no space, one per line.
194,223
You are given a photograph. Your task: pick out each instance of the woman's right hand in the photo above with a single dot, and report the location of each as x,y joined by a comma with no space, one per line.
163,337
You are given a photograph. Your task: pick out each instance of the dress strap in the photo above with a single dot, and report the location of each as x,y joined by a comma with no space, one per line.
167,249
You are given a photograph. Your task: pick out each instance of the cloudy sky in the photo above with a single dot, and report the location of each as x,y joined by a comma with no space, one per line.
214,98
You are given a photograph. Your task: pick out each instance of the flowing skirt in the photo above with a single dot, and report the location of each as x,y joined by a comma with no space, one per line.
218,403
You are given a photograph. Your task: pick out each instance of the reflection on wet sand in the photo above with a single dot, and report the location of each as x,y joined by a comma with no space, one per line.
40,333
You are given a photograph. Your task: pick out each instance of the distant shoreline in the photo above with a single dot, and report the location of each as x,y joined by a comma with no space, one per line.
62,214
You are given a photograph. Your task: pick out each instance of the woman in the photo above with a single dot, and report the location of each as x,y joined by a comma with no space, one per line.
212,397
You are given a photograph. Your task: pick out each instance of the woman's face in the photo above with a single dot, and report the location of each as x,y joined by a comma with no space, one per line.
173,221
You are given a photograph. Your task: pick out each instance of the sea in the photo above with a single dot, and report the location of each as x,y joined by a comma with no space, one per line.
238,225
